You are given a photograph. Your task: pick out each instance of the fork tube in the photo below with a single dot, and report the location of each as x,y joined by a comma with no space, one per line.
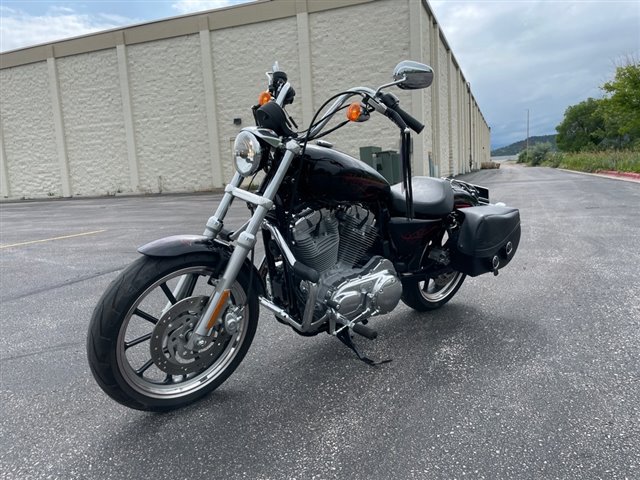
245,243
213,228
215,223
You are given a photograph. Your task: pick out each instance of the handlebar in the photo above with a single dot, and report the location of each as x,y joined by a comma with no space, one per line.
392,103
386,104
363,91
396,118
412,122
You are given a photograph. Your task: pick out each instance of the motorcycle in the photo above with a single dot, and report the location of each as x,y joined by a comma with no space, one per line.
341,246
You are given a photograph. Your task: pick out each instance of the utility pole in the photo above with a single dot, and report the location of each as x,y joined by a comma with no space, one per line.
527,134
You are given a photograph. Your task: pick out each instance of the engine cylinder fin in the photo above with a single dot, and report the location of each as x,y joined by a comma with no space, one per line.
316,239
324,238
357,235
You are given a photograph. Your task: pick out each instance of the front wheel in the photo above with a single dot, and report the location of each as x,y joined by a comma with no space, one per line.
139,329
431,293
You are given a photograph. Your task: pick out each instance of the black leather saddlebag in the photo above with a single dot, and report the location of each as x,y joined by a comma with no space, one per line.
488,239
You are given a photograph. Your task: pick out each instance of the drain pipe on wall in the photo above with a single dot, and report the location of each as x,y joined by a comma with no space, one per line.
470,129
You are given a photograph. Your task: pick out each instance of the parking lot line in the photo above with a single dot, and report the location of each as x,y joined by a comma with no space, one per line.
51,239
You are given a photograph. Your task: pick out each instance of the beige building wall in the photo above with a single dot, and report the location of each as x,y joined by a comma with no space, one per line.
169,115
28,133
93,123
153,108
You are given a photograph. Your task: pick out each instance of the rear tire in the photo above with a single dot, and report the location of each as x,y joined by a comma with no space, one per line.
136,333
432,293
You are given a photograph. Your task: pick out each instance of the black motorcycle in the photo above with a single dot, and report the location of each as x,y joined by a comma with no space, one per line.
341,245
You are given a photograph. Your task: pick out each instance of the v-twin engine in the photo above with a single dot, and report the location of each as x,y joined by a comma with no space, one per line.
336,243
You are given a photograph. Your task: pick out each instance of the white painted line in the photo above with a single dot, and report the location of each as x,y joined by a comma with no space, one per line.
51,239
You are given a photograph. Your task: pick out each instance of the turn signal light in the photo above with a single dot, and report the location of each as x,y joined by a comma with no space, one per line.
354,111
264,97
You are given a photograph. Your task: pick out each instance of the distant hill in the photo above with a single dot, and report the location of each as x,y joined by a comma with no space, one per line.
516,148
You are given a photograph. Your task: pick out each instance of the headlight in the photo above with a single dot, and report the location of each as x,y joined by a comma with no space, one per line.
247,154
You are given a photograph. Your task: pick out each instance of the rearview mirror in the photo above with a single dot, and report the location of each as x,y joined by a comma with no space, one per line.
414,75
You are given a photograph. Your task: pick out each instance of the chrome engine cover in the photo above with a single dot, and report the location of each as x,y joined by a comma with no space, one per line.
358,293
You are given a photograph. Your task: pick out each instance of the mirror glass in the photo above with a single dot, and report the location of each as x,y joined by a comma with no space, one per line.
416,75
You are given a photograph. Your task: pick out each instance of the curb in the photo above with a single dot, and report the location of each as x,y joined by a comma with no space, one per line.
624,176
619,174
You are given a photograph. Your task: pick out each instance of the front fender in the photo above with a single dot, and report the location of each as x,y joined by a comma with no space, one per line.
177,245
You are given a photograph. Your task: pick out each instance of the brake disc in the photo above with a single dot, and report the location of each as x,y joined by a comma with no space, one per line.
171,334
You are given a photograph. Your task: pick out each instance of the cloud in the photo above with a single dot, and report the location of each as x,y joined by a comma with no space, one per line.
19,29
537,55
189,6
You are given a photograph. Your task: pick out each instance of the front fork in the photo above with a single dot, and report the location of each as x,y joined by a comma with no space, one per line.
243,246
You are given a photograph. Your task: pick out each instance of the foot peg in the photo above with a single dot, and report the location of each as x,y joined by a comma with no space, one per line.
365,331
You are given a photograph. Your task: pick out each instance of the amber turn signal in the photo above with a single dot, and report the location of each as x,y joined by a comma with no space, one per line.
354,111
264,97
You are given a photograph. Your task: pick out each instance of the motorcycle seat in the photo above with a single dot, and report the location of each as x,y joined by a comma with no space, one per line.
432,197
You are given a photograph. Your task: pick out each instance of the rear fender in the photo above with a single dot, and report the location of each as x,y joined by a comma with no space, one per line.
468,195
177,245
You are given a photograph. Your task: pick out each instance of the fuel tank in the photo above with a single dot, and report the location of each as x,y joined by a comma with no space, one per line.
333,177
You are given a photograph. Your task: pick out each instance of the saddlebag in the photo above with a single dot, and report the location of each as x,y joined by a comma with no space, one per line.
488,239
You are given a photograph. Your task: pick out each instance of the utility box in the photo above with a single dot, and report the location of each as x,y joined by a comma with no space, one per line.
366,155
386,162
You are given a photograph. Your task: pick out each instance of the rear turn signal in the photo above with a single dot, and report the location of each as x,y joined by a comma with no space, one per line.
264,97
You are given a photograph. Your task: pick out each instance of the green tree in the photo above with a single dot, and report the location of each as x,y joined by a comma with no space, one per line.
583,126
621,105
537,154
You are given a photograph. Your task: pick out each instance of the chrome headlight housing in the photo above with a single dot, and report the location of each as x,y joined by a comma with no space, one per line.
247,154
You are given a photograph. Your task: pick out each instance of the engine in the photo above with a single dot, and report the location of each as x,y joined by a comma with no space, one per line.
337,244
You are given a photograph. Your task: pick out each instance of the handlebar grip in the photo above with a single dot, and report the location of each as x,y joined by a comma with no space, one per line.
396,118
394,111
412,122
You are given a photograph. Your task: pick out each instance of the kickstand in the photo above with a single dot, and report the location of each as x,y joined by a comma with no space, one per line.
345,337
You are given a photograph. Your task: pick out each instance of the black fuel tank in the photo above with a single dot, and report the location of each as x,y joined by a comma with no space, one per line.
333,177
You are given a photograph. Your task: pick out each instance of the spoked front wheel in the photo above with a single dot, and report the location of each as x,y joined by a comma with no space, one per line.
137,341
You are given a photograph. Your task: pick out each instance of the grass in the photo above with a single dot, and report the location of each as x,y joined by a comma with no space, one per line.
621,161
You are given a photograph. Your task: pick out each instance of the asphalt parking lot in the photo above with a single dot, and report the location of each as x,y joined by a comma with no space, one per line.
531,374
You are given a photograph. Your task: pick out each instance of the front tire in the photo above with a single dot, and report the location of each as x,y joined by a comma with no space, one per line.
138,329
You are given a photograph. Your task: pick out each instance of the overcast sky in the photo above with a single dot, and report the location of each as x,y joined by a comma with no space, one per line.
518,55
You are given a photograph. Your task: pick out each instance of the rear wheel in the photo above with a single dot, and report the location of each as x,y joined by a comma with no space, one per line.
435,290
138,333
432,293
